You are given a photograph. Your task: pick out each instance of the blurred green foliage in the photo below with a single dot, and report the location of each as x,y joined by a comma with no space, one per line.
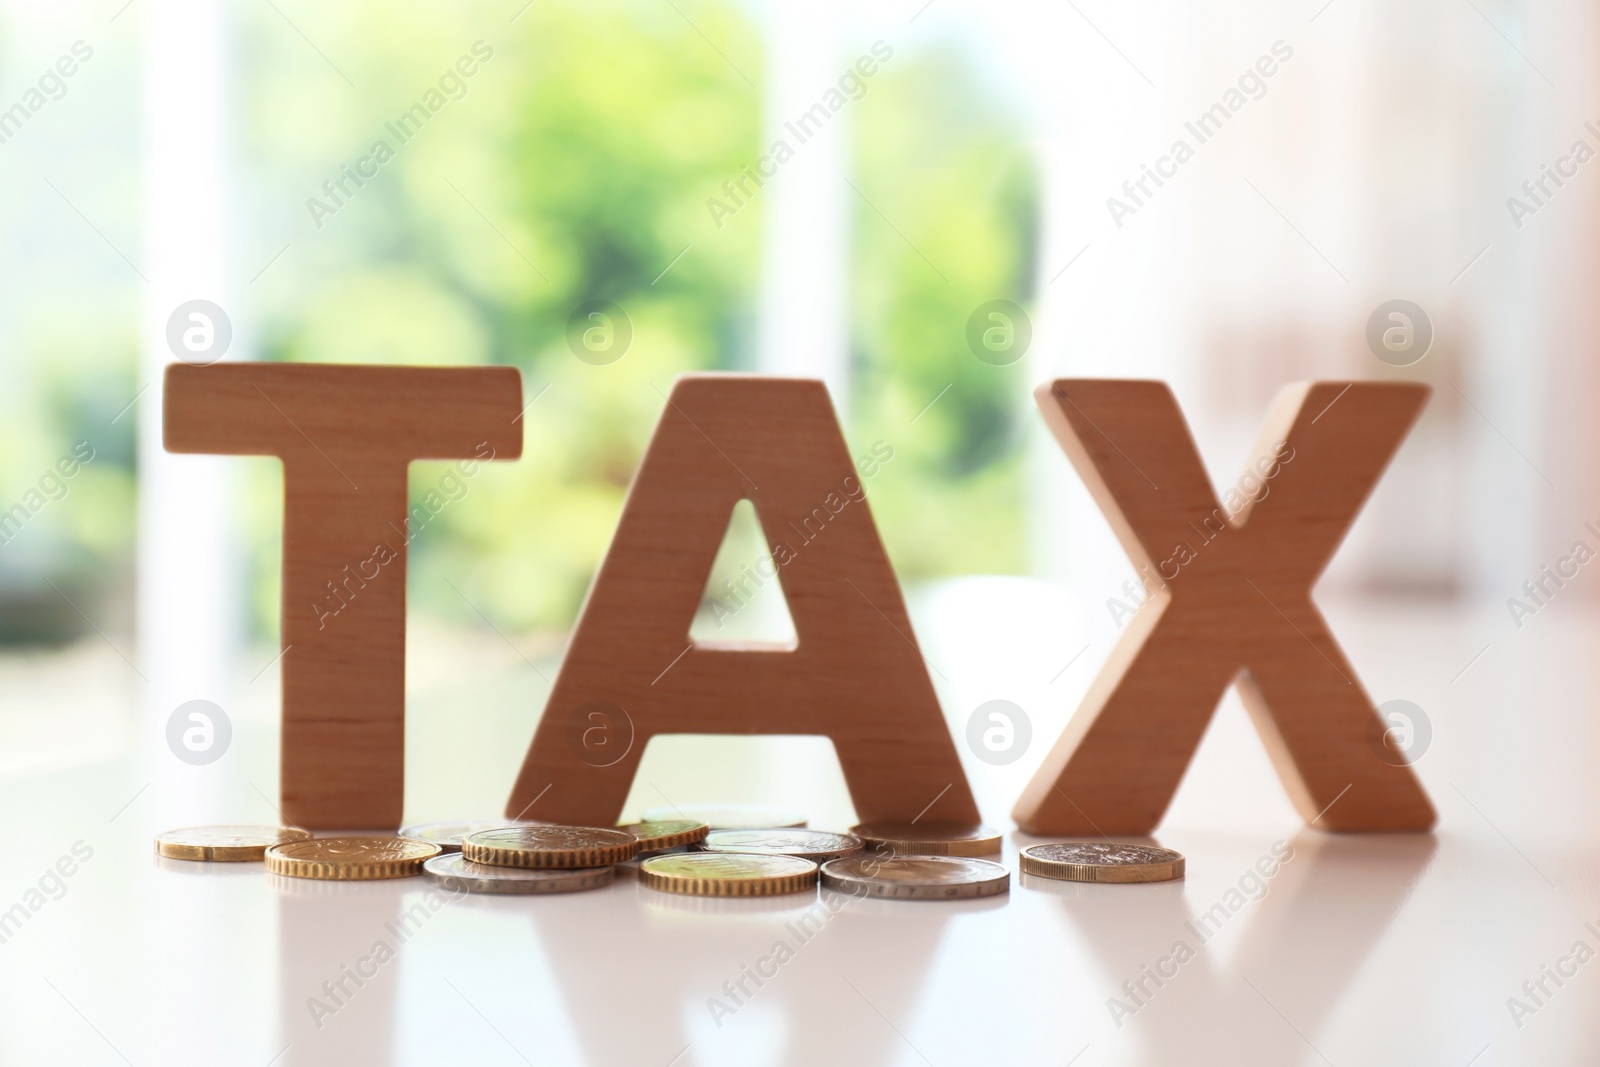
946,220
69,322
67,541
574,162
575,166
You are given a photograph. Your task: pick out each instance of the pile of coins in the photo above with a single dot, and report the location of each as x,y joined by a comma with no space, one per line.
704,853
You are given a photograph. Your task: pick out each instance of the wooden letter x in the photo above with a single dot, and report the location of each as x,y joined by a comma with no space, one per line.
1230,601
632,672
346,435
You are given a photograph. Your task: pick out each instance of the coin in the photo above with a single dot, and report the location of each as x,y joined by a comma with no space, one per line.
225,844
549,846
452,871
350,858
916,877
448,835
727,874
666,833
817,846
1102,861
730,816
928,839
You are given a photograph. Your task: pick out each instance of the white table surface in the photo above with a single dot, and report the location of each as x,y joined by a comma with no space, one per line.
1362,950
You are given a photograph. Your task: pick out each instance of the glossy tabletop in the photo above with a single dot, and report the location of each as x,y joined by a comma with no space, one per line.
1283,945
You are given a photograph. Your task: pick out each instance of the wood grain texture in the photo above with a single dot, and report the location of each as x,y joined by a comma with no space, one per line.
1230,602
346,436
631,671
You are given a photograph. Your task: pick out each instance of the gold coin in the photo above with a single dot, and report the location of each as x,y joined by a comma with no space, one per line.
350,858
225,844
717,874
666,833
928,839
1102,861
549,846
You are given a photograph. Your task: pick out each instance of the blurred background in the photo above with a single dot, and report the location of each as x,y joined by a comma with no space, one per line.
937,156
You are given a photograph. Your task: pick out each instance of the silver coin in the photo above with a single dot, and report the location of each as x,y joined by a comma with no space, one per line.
730,816
916,877
451,871
818,846
448,835
928,839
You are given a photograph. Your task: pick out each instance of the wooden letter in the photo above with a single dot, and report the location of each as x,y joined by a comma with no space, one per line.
856,674
346,435
1230,601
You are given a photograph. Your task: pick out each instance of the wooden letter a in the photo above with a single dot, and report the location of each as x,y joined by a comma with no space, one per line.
631,670
1229,601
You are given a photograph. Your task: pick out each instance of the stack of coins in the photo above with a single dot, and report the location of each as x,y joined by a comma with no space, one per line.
544,858
892,861
448,835
501,858
748,862
776,855
539,858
